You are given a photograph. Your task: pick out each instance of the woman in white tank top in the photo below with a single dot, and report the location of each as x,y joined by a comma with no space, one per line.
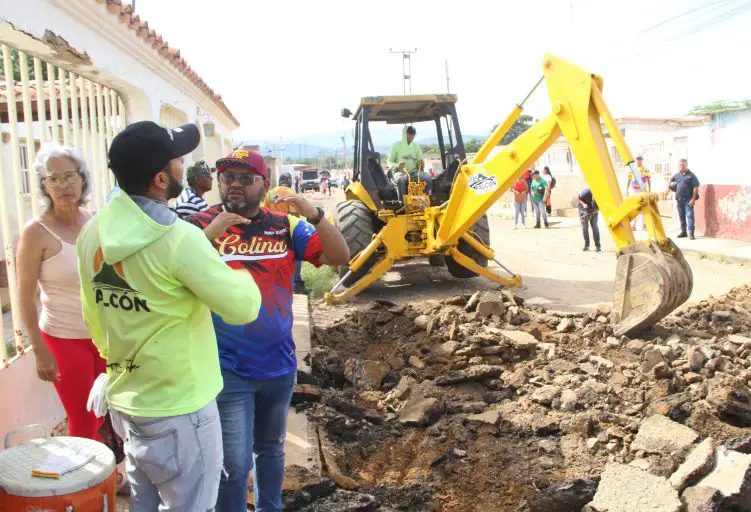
65,354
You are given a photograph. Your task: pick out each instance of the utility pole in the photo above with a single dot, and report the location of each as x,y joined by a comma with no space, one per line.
448,89
344,144
406,67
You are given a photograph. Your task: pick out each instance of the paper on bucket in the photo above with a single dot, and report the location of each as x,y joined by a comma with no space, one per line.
60,463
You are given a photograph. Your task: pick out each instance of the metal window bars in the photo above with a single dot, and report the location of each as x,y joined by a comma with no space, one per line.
56,105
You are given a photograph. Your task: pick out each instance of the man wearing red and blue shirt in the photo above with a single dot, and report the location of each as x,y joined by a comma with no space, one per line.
258,360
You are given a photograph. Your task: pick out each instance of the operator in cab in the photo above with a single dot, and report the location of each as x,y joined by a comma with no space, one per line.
405,160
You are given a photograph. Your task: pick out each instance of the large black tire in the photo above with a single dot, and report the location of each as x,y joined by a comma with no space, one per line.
355,220
437,260
482,231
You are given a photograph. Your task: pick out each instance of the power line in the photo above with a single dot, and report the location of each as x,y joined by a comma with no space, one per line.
694,29
701,7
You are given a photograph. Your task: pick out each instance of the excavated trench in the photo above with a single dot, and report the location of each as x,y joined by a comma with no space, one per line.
480,403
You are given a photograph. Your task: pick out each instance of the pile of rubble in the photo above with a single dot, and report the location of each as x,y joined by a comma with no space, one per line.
485,403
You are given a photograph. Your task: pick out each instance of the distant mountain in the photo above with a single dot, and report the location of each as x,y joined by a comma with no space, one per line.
330,143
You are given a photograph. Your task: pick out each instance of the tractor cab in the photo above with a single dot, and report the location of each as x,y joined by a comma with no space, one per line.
369,165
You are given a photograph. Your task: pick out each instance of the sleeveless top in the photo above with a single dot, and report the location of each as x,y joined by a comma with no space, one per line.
60,288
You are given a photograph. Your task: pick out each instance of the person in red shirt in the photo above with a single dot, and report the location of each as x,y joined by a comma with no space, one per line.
520,202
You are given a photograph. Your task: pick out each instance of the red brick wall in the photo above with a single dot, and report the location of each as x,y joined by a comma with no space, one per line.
724,211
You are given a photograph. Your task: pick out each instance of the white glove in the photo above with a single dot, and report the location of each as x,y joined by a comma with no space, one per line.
97,398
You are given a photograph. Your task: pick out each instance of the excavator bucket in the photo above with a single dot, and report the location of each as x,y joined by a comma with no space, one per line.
651,280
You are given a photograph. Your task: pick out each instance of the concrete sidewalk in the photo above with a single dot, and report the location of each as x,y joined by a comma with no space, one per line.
301,445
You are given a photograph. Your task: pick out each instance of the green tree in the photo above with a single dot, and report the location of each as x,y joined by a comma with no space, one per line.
718,106
520,126
16,65
472,145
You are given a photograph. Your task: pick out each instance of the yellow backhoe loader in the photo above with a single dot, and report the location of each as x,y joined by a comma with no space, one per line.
652,277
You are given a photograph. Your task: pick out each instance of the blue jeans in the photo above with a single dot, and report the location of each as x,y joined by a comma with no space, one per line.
587,220
519,211
297,278
686,215
173,463
254,425
539,209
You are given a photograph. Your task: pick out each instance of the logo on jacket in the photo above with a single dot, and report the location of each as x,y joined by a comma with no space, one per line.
112,290
482,184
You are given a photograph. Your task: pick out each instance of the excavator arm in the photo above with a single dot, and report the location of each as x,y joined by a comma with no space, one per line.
652,278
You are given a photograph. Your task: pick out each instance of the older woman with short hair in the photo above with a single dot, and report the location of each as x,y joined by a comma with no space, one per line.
46,260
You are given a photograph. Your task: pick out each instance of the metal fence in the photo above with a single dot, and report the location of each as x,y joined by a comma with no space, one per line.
55,105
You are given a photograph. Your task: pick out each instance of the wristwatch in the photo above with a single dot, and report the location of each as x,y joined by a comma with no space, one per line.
315,220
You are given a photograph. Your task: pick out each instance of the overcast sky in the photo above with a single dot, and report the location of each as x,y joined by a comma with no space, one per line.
285,68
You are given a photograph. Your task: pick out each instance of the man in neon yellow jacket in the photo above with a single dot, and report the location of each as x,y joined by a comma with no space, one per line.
406,159
148,283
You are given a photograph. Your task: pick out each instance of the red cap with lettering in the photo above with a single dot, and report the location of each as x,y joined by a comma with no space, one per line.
252,160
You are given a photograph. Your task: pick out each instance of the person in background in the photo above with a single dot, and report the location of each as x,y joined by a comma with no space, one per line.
62,346
405,161
547,176
285,180
191,199
325,176
636,186
345,182
149,282
297,183
588,214
685,184
520,202
258,360
540,190
528,181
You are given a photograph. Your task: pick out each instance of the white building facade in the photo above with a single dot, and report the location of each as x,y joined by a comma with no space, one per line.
87,68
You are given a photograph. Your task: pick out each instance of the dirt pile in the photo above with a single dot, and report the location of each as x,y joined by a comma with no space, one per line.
482,403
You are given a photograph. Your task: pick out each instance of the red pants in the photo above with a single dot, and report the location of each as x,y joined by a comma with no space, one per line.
80,364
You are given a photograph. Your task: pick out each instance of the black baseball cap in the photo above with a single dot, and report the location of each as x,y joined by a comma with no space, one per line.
146,148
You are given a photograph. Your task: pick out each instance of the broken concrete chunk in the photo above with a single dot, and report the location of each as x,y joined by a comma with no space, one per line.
696,359
635,346
520,340
562,366
651,358
305,393
491,417
628,489
517,378
698,463
365,374
473,373
546,394
472,302
658,434
420,411
740,444
739,340
701,499
564,497
422,321
490,304
601,362
721,315
732,477
566,325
